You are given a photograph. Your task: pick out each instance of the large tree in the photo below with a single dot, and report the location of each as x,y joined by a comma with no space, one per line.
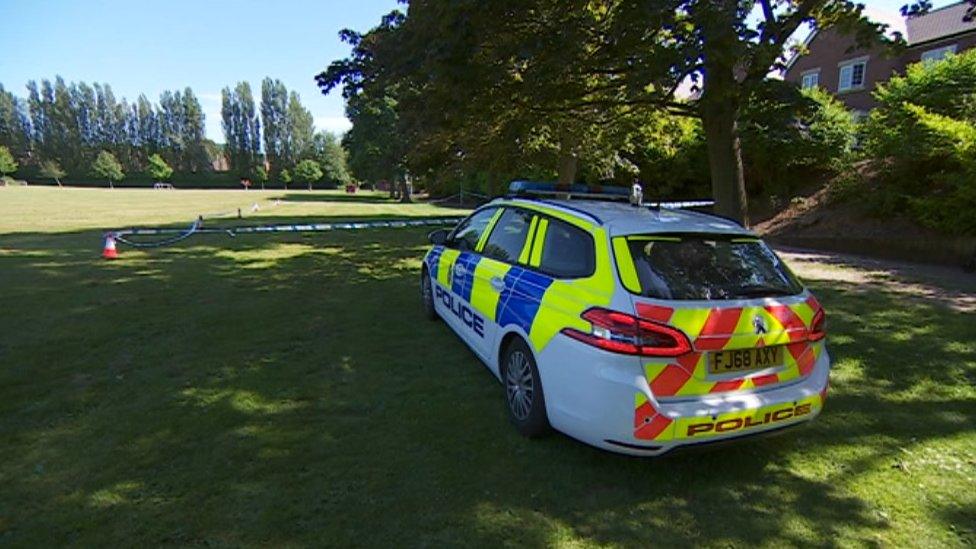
14,124
491,82
301,130
274,121
332,157
242,129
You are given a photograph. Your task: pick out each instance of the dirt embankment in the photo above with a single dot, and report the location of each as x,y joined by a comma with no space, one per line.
815,222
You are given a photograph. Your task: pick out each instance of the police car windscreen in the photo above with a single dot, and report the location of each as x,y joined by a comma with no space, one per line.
689,267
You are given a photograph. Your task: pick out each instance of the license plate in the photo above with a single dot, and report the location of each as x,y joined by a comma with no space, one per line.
744,360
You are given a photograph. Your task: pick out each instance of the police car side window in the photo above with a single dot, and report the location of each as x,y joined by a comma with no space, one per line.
467,234
567,251
508,237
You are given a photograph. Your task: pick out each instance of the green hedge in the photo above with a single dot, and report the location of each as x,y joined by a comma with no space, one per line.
923,139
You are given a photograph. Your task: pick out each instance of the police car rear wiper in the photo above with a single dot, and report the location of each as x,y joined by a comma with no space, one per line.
763,291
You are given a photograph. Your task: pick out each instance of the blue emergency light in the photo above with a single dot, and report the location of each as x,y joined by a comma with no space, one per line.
634,194
580,190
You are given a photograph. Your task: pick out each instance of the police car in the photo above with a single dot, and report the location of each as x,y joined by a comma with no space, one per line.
632,328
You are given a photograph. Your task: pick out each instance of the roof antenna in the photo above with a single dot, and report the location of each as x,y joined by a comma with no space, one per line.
636,194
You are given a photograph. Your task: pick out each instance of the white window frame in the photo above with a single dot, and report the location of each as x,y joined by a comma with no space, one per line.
811,75
938,54
849,65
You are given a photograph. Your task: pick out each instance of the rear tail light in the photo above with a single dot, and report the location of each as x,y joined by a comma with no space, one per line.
818,328
626,334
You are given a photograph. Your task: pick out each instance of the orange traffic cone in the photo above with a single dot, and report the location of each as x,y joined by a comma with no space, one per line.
109,251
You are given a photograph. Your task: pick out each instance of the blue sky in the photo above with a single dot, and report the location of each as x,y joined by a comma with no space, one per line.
147,46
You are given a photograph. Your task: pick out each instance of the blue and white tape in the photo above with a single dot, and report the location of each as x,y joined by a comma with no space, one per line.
197,228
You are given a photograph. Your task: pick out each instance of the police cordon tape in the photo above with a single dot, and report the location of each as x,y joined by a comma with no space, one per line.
111,237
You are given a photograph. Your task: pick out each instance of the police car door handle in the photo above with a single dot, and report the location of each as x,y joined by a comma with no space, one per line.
497,283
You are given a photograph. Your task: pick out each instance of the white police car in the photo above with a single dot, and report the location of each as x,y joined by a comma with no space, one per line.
631,328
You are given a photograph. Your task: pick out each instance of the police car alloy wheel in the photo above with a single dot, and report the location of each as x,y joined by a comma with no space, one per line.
523,391
427,295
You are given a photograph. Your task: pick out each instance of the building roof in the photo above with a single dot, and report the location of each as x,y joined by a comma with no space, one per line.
939,23
620,218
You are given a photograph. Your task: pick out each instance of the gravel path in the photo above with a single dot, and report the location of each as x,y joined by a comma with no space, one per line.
947,286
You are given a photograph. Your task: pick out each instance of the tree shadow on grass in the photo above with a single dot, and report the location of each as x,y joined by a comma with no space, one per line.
286,389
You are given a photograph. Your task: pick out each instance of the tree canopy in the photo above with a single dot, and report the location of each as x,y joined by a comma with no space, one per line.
534,86
308,171
158,169
50,169
108,167
242,129
7,162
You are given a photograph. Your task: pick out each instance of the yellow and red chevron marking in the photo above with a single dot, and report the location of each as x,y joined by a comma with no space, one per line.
648,423
716,329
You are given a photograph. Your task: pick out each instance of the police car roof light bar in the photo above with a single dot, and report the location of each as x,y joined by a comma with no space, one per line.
575,190
594,192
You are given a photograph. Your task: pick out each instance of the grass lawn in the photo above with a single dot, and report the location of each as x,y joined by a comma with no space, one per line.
285,390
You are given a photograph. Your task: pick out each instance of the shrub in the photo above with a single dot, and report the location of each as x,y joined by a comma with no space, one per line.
791,137
158,169
7,162
923,137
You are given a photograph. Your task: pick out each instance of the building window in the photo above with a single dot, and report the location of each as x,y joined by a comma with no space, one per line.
810,79
938,53
852,74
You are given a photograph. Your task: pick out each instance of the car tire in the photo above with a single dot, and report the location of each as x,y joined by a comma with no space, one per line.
524,397
427,295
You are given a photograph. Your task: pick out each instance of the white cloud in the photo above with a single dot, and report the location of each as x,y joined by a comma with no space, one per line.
333,124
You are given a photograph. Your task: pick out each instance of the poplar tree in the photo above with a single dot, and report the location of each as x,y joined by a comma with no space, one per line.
274,118
242,129
14,124
301,130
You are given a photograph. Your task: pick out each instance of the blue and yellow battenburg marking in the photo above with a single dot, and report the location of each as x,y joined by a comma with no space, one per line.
538,304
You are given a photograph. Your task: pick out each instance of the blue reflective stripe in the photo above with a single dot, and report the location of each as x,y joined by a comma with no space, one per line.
520,300
462,285
434,260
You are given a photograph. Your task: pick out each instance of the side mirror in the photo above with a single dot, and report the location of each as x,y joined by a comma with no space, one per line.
438,237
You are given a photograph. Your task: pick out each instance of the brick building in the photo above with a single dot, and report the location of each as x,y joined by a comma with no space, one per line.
851,73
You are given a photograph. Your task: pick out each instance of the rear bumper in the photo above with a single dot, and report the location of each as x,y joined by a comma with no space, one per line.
605,401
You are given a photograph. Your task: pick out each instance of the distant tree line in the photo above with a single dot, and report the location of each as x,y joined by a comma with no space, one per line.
287,131
71,124
81,130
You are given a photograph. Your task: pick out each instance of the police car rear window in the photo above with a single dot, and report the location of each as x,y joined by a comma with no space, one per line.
712,267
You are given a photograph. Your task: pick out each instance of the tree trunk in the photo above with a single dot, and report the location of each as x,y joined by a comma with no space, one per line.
568,162
719,106
725,161
404,194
